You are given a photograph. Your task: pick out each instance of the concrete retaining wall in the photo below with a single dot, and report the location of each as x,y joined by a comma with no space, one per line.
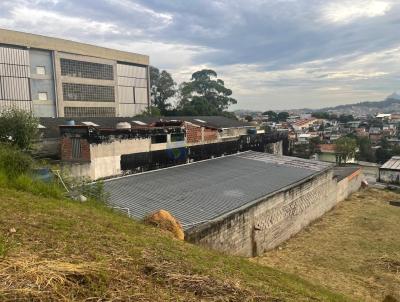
269,222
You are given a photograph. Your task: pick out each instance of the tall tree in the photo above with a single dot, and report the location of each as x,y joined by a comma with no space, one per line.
283,116
162,88
272,115
205,95
345,148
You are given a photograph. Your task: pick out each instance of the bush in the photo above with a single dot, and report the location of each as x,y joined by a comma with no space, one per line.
18,127
14,162
94,191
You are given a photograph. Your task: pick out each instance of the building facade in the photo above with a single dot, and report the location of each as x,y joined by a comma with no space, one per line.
58,78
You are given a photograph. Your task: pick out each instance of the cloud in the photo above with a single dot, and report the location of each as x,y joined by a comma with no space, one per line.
26,18
300,52
347,11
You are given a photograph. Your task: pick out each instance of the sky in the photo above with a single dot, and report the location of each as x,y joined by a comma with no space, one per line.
273,54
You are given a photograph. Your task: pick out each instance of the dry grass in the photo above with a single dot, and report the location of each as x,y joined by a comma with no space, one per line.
203,286
25,277
354,249
165,221
59,250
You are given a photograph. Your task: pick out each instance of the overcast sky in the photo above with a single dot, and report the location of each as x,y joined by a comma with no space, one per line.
274,54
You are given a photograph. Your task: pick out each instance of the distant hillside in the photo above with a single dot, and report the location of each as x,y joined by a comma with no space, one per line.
390,104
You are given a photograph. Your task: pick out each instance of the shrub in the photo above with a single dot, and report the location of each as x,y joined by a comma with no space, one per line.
14,162
94,191
18,127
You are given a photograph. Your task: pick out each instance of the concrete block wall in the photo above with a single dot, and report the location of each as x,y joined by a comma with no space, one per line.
275,148
100,160
349,185
389,176
264,225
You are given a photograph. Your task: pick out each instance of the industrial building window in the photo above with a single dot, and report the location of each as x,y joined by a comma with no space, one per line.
89,112
76,147
88,93
40,70
42,96
88,70
159,139
177,137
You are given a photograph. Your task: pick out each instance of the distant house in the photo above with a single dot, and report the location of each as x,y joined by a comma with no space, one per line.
375,134
304,124
389,172
384,116
327,152
353,124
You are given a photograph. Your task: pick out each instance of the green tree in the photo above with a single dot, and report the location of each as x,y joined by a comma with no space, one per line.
345,148
314,145
205,95
150,111
248,118
18,128
366,153
283,116
321,115
162,88
345,118
272,115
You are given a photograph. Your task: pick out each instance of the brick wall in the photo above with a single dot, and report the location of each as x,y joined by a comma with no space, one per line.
66,149
193,133
210,134
197,134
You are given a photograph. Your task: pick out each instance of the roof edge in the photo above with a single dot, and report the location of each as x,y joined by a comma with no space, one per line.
24,39
207,224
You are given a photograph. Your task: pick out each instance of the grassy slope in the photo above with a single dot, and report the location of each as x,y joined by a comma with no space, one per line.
354,249
63,250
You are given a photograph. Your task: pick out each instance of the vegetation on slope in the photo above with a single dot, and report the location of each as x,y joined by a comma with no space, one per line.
354,249
57,249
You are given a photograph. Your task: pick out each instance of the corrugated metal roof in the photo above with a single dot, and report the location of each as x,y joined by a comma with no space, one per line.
205,190
392,164
219,122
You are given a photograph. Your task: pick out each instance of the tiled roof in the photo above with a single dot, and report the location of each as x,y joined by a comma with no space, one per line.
328,148
205,190
304,122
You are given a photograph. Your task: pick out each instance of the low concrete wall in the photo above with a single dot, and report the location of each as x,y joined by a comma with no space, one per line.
275,148
389,176
370,170
268,222
349,185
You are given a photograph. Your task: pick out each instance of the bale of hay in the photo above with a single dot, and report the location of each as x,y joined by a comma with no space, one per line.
165,221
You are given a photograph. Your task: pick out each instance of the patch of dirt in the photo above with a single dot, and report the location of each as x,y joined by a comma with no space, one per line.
388,264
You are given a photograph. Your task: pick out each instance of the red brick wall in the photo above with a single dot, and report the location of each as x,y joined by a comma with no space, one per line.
210,134
193,133
66,150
